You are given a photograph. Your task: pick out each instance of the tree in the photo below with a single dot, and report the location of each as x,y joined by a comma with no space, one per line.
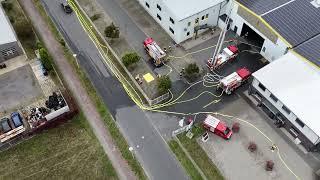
130,58
164,84
45,59
112,31
7,5
192,71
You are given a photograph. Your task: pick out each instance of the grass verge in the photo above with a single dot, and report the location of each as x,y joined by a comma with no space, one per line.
101,107
184,160
22,26
199,155
69,151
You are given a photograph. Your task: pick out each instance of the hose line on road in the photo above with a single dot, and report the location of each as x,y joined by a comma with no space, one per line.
209,81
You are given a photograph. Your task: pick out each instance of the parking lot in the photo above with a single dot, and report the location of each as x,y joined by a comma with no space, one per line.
234,159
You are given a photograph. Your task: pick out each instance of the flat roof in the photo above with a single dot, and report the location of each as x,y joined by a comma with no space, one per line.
310,50
6,32
182,9
297,85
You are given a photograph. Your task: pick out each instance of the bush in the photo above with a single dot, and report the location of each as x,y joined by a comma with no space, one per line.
62,42
45,59
269,165
112,31
252,147
130,58
23,29
164,84
95,17
192,71
236,127
7,6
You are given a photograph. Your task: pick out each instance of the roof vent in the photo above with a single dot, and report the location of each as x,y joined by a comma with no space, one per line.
316,3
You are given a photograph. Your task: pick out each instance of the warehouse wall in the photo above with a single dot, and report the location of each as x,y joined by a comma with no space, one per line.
306,131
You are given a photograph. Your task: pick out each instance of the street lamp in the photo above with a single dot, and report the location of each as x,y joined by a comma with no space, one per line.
75,57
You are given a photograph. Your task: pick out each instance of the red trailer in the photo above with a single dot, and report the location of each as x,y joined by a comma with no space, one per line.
218,127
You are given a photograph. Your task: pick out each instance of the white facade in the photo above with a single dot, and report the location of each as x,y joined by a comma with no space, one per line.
269,50
179,17
295,84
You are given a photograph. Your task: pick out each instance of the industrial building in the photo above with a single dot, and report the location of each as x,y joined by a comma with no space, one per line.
9,45
288,90
183,19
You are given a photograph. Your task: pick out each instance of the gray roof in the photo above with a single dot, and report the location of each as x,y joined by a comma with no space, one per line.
262,6
310,50
297,21
6,32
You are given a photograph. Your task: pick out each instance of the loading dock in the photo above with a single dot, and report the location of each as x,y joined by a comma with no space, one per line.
251,36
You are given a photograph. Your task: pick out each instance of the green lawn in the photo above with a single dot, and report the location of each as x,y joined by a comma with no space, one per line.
184,160
22,26
69,151
199,155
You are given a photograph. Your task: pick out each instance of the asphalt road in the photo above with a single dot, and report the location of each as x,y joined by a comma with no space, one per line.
149,147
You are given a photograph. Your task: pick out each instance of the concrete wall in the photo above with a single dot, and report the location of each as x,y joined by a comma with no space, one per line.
181,28
272,48
307,132
9,50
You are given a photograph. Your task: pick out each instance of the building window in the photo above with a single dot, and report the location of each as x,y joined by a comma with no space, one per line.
207,15
202,18
196,20
264,49
189,23
159,7
286,109
171,30
147,5
261,86
159,17
275,99
172,21
301,124
188,33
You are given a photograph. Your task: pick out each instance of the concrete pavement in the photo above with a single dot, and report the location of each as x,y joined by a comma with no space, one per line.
79,92
149,147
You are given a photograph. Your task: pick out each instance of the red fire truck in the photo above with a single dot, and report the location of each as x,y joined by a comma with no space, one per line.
218,127
234,80
154,51
228,54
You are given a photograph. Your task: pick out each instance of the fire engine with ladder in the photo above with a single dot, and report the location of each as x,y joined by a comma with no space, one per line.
228,54
231,82
154,51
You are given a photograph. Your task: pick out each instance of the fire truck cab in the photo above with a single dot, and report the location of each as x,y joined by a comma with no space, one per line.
229,83
154,51
228,54
217,127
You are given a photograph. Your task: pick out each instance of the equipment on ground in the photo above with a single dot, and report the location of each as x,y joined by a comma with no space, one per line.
228,54
229,83
154,51
217,127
